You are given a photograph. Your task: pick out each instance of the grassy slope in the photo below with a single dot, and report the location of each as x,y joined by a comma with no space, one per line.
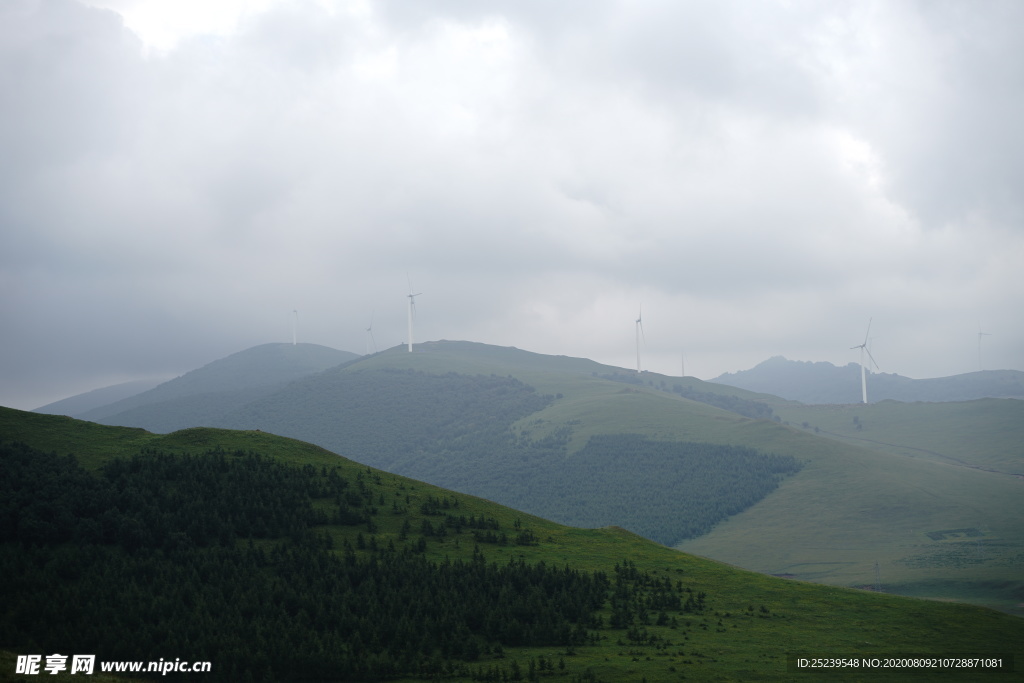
736,644
848,509
597,405
986,433
259,366
977,445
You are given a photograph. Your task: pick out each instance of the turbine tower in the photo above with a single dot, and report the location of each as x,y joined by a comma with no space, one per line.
863,369
639,333
412,312
295,328
980,335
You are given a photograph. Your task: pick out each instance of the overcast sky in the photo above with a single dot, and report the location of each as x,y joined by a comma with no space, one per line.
178,176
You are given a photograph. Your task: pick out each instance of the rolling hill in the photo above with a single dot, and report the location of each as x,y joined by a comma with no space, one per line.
275,559
198,397
80,404
825,383
681,461
455,429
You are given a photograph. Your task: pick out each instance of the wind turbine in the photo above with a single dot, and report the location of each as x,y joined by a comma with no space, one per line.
863,369
639,333
369,337
980,335
412,312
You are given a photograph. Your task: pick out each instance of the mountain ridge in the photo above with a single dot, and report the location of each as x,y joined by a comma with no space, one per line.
843,495
79,404
822,382
234,379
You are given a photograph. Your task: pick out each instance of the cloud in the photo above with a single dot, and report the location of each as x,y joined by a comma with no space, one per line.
763,178
937,87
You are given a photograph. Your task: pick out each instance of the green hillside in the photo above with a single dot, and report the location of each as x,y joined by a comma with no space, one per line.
285,537
457,431
849,515
985,434
200,396
847,510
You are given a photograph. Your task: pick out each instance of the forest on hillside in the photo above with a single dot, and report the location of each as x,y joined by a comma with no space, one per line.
664,490
456,431
230,558
386,418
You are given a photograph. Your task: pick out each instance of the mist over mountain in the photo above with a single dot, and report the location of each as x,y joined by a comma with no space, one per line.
198,397
823,383
80,404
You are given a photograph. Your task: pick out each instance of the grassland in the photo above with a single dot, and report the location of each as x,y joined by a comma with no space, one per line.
855,504
750,625
871,505
985,434
958,533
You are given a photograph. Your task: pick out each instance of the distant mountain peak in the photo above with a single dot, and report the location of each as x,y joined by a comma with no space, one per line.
822,382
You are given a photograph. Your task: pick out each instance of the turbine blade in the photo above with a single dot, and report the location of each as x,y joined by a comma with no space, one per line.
871,357
868,332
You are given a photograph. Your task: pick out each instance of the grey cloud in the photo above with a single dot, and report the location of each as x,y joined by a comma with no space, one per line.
936,87
549,20
66,79
537,172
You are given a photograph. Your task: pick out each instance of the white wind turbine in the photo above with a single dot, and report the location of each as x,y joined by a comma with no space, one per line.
412,312
980,335
639,334
863,369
